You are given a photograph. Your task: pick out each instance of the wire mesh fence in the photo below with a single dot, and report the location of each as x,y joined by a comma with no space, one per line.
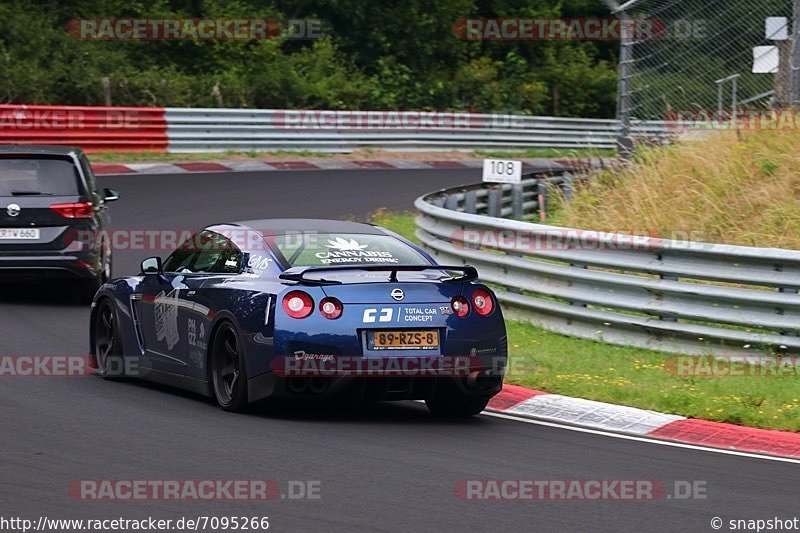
707,56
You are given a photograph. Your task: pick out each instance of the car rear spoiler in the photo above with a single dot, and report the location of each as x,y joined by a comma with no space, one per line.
298,273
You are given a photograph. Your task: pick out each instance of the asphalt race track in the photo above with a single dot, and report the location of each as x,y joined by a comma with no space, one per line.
389,467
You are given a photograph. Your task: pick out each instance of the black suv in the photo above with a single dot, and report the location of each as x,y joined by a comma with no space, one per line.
52,217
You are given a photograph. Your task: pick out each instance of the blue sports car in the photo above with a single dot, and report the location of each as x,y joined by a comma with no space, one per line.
304,309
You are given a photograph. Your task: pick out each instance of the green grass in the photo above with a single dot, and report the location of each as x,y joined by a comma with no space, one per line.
636,377
547,153
401,223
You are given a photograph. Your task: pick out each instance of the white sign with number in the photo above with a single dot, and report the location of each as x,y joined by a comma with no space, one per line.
502,171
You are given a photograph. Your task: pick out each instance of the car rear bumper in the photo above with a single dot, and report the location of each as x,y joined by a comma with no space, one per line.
43,264
369,388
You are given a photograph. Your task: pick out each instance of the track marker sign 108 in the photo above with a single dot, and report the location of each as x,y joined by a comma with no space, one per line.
502,171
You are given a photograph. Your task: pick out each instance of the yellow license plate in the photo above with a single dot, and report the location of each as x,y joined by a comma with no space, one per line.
398,339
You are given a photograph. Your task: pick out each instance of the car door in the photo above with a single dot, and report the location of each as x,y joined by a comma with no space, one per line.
156,302
174,317
206,295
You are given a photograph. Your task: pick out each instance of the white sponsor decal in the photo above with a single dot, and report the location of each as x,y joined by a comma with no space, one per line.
371,314
301,355
351,251
419,314
193,336
166,317
259,262
344,244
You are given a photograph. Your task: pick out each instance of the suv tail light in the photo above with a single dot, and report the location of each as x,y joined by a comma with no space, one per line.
460,306
330,308
75,210
482,302
298,304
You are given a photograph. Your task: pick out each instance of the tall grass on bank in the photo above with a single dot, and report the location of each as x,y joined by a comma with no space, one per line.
725,189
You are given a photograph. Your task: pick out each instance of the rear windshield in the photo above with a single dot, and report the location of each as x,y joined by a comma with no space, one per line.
52,177
324,249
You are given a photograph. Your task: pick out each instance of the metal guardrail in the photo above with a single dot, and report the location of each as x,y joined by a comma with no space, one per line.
219,130
92,128
679,296
209,130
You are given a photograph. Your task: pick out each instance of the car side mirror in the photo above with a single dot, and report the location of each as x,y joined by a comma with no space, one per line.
110,195
152,265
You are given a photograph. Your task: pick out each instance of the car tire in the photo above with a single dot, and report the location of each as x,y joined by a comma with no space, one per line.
228,371
108,352
456,405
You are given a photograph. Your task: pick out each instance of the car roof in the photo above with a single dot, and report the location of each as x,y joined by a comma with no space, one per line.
278,226
37,149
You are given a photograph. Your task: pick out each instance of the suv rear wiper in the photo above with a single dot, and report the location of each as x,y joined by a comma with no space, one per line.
30,193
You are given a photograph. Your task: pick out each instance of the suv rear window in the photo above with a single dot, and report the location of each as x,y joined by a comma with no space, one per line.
52,177
321,249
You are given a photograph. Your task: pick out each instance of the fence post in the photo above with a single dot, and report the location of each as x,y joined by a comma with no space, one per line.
794,91
624,140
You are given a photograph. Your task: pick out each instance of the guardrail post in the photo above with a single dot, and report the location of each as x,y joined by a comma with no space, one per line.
516,201
566,186
494,202
471,202
451,202
541,195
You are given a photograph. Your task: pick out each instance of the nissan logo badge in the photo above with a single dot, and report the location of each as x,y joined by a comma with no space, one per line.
13,210
397,294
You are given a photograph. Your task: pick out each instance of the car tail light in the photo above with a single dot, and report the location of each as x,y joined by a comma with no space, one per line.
482,302
298,304
330,308
460,306
75,210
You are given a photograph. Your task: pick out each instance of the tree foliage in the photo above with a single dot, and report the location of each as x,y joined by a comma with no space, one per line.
388,54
